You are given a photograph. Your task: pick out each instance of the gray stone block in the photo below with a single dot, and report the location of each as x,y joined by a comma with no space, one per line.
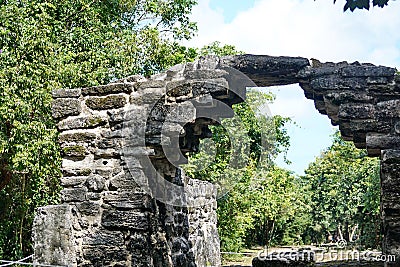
107,102
64,107
73,194
84,137
53,236
113,88
88,208
66,93
368,71
128,220
91,121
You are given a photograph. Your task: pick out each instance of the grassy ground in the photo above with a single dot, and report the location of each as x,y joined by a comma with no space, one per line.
241,259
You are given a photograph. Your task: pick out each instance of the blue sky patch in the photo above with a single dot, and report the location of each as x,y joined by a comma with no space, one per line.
231,8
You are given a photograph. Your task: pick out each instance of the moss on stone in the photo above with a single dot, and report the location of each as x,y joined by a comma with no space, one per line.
95,121
74,151
85,172
108,102
77,137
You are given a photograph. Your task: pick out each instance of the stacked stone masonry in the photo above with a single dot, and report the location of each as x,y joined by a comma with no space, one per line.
112,213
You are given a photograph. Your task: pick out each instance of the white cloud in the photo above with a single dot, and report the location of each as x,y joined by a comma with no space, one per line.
287,103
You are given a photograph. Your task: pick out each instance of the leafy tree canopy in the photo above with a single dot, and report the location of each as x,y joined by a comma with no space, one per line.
257,198
344,188
363,4
52,44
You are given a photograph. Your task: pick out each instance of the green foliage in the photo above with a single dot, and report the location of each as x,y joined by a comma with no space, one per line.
47,45
258,198
215,48
267,205
345,192
363,4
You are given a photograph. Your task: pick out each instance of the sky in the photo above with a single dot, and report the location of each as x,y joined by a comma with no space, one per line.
307,28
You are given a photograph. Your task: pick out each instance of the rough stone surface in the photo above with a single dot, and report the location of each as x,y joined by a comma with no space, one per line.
107,102
65,93
114,88
111,134
64,107
85,122
53,227
267,70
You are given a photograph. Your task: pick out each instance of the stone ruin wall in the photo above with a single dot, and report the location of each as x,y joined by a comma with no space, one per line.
107,218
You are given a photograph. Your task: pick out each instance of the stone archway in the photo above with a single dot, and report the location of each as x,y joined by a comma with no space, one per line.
117,212
362,99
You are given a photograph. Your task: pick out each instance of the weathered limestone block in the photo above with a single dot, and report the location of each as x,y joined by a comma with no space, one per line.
370,71
267,70
149,84
105,255
66,93
204,63
104,237
377,142
340,97
88,208
325,69
79,136
74,194
84,122
119,219
126,181
127,200
75,152
388,109
107,102
356,111
73,181
334,82
202,223
113,88
106,153
95,183
149,96
390,204
187,89
67,172
205,74
54,236
116,116
64,107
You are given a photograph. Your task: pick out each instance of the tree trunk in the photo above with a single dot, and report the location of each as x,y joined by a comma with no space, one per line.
5,175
